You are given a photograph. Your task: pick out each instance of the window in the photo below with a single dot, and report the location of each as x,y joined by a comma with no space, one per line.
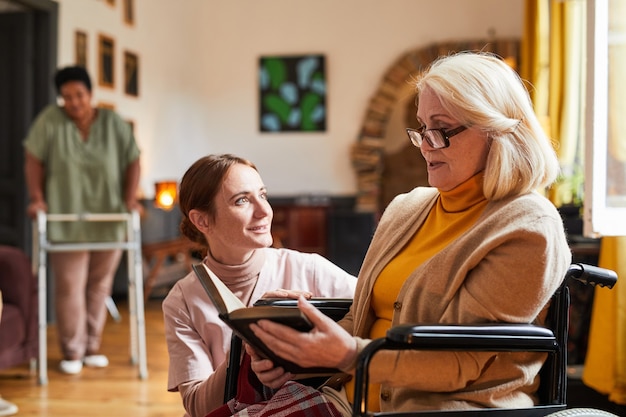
605,147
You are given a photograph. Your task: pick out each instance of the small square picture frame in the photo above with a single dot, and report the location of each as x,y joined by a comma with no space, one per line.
80,48
131,73
106,61
292,93
128,12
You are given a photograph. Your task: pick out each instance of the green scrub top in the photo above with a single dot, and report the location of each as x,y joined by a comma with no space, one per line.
83,176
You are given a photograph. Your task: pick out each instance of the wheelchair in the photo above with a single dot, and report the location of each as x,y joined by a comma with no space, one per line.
499,337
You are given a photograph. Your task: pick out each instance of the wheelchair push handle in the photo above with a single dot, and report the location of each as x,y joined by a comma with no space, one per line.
592,275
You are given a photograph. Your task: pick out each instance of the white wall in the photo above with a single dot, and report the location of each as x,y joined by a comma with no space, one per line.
198,73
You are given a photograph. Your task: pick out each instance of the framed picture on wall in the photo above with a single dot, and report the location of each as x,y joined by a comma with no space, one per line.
292,93
128,9
106,61
80,48
131,74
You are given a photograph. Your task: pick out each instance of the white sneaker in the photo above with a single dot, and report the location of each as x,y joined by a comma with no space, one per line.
7,408
71,367
96,361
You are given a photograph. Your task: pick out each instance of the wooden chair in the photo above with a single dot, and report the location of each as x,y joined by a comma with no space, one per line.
497,337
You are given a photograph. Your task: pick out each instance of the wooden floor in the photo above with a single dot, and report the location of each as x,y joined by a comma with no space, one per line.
115,391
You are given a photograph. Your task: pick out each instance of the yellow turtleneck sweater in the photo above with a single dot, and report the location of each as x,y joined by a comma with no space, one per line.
455,212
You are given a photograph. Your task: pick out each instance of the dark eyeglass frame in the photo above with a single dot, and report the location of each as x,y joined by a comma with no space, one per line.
417,136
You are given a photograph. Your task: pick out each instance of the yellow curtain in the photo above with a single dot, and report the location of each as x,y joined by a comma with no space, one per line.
567,78
605,364
535,60
567,95
553,54
559,102
535,56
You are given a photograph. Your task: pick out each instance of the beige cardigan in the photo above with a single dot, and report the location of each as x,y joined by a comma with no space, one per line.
503,269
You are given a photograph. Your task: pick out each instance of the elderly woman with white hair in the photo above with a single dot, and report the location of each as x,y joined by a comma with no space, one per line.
450,253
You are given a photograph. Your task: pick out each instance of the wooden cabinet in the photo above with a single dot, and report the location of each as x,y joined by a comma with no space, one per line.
301,227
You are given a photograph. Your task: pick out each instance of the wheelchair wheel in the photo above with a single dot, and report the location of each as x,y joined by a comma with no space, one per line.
582,412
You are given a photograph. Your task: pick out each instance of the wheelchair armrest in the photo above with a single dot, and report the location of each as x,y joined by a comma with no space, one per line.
492,336
488,337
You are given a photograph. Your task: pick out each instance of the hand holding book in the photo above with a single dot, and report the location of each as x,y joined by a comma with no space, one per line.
239,317
327,345
282,294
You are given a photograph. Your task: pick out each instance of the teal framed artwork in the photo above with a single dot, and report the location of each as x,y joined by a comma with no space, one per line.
292,93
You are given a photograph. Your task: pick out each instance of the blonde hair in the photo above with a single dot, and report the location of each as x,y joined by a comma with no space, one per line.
480,90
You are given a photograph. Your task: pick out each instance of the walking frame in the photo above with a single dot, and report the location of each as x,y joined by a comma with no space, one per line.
41,247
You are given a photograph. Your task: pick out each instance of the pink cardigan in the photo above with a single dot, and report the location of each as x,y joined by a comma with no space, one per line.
198,341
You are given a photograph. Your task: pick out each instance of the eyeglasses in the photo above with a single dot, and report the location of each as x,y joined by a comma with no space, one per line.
436,138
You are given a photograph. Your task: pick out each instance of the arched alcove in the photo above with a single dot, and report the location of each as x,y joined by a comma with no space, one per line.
384,161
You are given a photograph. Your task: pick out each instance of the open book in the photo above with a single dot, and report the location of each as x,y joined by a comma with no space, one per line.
239,317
